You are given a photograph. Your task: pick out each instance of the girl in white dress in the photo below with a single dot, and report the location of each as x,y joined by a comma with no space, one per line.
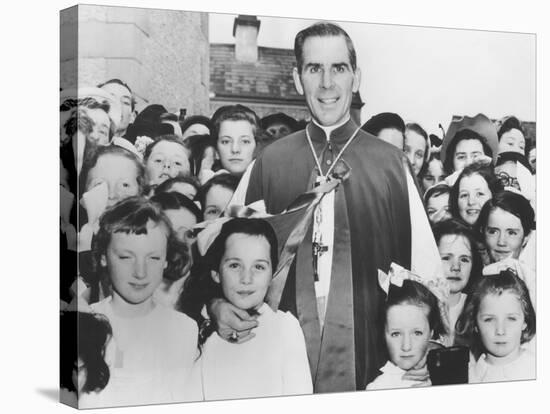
153,347
413,318
498,318
274,362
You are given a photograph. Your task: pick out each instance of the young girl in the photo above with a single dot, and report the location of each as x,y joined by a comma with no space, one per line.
436,200
461,264
432,171
274,362
153,347
166,158
412,318
511,136
466,146
475,185
215,195
235,128
498,319
118,170
183,215
505,223
416,146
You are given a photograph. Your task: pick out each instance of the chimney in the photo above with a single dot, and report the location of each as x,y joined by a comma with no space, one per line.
245,32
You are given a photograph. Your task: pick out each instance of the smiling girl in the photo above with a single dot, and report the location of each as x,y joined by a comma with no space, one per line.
240,265
505,224
474,187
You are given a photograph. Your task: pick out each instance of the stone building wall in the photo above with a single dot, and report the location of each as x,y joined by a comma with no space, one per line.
163,55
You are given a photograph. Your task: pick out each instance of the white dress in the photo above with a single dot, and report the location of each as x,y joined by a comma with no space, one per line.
522,368
391,377
272,363
150,359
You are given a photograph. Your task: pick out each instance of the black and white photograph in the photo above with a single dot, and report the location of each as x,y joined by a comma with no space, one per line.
238,221
259,204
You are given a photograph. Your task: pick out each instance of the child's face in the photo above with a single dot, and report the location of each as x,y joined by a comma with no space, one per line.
167,160
467,151
135,263
512,140
407,334
236,145
473,193
434,174
438,208
120,174
504,235
245,270
456,256
216,200
415,149
500,321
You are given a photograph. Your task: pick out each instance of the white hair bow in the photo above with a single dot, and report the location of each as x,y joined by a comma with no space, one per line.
397,274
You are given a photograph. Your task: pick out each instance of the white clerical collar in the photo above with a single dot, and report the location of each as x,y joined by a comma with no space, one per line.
328,129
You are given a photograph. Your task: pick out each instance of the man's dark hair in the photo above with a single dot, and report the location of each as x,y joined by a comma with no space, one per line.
322,29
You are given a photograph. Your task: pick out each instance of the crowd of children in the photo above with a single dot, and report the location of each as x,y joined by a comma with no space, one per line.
138,198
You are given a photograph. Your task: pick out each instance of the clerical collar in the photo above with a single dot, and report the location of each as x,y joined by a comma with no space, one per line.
328,129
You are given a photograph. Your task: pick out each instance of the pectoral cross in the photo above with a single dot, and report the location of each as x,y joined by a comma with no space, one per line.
318,250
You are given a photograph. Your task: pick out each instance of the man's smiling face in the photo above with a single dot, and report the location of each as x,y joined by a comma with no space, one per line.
327,79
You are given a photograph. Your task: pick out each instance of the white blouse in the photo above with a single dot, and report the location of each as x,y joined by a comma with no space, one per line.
273,363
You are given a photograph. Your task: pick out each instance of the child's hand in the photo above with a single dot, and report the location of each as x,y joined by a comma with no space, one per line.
233,324
420,371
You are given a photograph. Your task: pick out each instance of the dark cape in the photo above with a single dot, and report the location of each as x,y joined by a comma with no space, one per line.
375,232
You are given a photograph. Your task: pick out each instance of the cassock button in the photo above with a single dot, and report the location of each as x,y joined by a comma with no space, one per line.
329,162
